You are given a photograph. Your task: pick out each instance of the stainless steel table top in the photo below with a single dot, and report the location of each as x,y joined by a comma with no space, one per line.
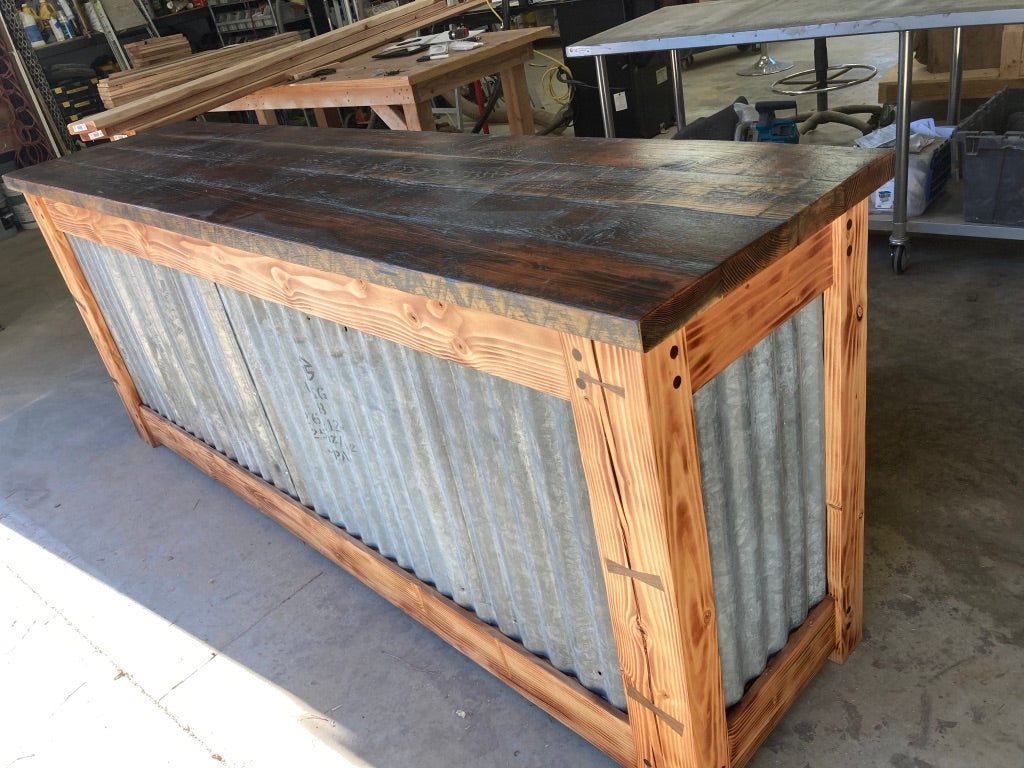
733,22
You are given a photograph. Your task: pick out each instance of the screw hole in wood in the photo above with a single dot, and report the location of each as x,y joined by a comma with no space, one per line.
674,352
849,250
677,382
849,224
577,355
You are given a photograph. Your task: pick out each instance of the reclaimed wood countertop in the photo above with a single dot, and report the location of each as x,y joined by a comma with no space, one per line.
618,240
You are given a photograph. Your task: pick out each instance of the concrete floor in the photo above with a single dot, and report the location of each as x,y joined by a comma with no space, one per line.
148,617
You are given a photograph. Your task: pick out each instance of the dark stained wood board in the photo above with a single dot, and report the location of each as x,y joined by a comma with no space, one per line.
622,241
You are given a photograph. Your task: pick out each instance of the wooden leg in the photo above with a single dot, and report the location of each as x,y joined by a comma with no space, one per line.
845,390
392,118
634,422
87,306
517,101
266,116
419,116
327,117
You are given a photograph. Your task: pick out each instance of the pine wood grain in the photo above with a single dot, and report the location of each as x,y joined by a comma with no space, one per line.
845,308
1011,59
558,695
72,273
735,323
784,677
526,354
634,423
934,86
600,246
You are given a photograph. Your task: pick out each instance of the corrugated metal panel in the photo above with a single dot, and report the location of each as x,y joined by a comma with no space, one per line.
760,432
179,347
473,483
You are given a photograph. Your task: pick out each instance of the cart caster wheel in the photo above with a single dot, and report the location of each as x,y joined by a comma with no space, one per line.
687,62
899,257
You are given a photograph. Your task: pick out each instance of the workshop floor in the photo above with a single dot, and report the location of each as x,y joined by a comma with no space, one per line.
148,617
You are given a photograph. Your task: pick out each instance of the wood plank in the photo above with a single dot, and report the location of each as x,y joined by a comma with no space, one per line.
634,422
734,323
526,354
122,87
934,86
205,93
266,117
845,392
1011,60
72,273
557,694
784,677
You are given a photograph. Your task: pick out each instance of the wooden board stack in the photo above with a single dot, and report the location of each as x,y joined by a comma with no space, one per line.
124,87
158,50
294,62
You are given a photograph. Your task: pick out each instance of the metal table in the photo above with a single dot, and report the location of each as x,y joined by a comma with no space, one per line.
735,22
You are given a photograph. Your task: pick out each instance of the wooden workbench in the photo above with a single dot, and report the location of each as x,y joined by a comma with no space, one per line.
613,279
402,98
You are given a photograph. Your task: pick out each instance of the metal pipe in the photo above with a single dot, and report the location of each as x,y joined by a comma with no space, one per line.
605,96
956,71
903,80
677,88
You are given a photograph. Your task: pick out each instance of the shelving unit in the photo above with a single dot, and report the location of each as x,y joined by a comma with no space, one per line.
945,217
238,21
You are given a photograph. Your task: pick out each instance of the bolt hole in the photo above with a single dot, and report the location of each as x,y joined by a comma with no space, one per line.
674,352
849,250
849,224
581,383
677,382
577,355
849,610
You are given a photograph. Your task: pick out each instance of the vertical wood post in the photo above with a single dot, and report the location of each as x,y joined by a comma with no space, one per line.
266,116
517,100
634,421
845,307
419,116
70,269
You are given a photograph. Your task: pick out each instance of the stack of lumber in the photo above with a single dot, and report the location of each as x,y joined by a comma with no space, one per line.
125,87
293,62
158,50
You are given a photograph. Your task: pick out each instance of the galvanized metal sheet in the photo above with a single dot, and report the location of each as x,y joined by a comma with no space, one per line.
760,433
179,347
473,483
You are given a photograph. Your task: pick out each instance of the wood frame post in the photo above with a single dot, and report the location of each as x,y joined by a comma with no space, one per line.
845,309
72,273
634,421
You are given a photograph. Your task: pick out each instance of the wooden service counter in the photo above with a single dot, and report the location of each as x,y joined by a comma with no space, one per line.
590,410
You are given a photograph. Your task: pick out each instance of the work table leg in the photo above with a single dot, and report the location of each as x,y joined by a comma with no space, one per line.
634,422
517,101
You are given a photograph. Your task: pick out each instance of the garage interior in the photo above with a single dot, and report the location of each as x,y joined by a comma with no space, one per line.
130,635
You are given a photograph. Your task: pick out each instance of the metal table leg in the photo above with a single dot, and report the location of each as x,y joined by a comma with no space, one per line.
898,240
676,61
605,95
953,106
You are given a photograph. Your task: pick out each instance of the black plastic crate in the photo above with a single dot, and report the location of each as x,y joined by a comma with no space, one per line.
992,156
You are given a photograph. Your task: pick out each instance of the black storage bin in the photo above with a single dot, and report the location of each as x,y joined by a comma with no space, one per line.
992,150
